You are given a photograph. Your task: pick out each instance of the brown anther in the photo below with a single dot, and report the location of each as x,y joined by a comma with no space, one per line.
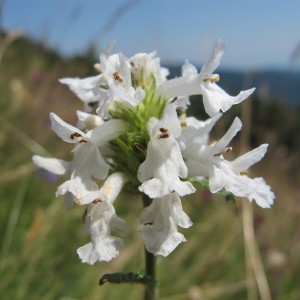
225,151
96,201
164,136
117,77
82,141
164,133
77,135
163,130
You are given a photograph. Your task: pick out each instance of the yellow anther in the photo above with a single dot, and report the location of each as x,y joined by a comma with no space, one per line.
212,79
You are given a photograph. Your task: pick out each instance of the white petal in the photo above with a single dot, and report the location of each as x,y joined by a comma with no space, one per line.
157,188
100,220
198,168
107,131
262,194
144,65
216,99
162,168
166,214
168,121
66,131
215,58
241,186
100,250
218,179
229,135
77,84
88,160
195,134
53,165
88,89
243,162
188,69
181,86
84,190
113,186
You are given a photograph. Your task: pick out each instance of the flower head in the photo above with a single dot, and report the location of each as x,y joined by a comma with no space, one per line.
141,139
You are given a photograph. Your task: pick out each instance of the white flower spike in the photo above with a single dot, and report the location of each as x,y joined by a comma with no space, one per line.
139,137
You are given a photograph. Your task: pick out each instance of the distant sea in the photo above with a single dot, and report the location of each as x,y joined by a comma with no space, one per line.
272,85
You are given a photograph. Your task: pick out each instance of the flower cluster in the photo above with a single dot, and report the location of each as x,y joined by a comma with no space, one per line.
134,134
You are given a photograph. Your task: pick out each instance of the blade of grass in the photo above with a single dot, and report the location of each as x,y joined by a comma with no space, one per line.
12,222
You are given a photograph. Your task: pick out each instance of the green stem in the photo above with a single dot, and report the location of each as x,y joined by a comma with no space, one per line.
150,271
149,264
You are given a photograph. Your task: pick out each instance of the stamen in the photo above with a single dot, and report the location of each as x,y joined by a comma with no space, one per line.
96,201
163,130
164,133
182,118
225,151
212,79
244,173
117,77
77,136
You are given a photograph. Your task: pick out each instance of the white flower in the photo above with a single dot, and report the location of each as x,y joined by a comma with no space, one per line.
163,166
143,65
192,83
161,219
116,69
88,162
89,90
101,219
208,161
196,131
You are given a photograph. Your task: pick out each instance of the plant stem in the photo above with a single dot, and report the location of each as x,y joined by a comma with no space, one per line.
150,271
149,263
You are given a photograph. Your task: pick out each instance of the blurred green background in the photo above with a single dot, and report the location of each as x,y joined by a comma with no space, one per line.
39,237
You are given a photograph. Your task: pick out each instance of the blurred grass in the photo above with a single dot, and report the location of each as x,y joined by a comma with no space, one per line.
39,238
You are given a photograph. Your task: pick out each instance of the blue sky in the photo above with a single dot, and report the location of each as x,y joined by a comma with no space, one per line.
258,33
